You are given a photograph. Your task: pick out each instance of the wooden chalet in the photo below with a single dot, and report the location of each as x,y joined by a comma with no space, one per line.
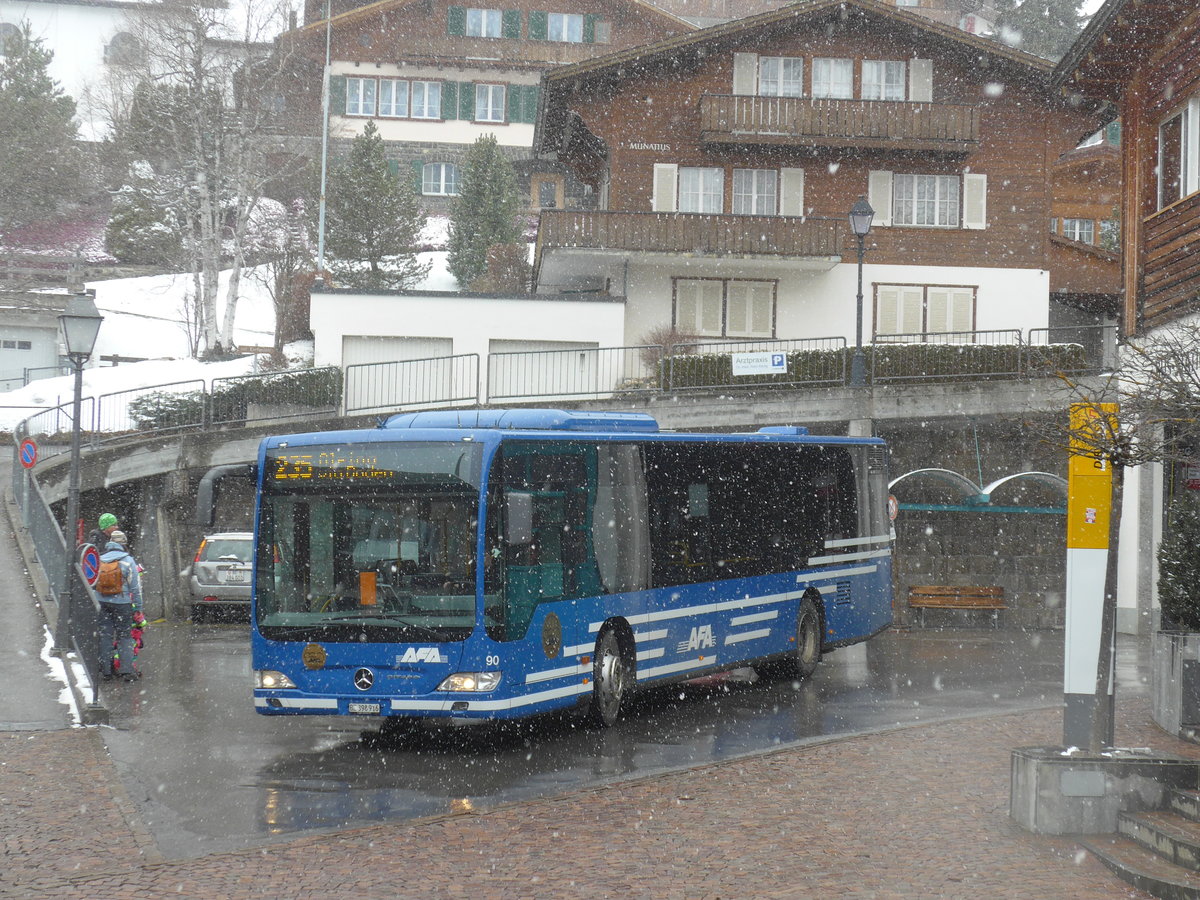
723,164
1140,60
434,76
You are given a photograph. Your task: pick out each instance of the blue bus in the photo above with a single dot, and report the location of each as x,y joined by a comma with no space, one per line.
494,564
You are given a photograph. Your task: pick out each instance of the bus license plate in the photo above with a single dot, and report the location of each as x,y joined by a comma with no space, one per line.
363,709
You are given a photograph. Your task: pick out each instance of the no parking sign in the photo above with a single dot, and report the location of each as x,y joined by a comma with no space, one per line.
28,453
89,561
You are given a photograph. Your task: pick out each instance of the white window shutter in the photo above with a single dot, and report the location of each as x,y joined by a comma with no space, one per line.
962,310
710,307
920,80
791,192
686,319
737,309
938,309
912,310
975,201
879,195
666,178
761,310
745,74
887,310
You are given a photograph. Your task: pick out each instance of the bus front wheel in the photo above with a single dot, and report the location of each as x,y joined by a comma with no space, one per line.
610,679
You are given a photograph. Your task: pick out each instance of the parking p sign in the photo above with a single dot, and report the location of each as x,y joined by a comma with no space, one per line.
762,363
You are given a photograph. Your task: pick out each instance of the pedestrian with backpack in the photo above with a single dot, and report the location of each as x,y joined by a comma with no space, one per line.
120,588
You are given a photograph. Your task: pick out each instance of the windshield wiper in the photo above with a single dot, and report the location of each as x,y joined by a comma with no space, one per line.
390,617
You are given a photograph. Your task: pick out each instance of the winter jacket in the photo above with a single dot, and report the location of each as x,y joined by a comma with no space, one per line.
131,580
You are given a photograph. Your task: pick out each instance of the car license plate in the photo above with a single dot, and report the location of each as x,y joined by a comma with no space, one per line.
236,577
363,709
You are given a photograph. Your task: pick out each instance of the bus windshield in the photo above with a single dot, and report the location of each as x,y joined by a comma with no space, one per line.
371,542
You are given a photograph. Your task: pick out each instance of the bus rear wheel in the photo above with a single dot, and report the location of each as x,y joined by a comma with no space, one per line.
610,679
808,640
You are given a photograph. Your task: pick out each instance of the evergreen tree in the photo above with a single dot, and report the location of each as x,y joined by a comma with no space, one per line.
372,220
1179,567
142,226
485,213
42,167
1045,28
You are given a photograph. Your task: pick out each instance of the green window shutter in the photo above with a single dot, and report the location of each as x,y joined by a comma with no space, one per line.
531,102
589,28
456,20
510,23
514,95
337,95
1113,132
466,101
449,100
418,167
394,167
539,26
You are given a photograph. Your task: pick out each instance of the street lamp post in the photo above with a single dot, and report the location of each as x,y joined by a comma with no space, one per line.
861,215
80,324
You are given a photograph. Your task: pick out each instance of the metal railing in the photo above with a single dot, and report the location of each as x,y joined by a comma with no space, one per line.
412,383
163,407
241,399
594,372
945,355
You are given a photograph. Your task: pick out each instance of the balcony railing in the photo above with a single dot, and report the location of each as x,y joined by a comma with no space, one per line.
689,233
887,124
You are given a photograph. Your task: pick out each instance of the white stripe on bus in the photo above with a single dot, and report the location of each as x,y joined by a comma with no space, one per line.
491,705
747,636
295,703
550,674
639,636
650,654
854,542
671,668
865,554
754,617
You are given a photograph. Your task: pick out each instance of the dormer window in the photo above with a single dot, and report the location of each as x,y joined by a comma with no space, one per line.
9,35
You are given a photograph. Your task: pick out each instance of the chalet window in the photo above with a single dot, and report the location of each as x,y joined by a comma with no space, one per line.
426,99
701,190
567,27
489,103
754,192
393,98
439,180
781,76
925,200
124,49
883,79
483,23
833,78
603,31
1079,230
1179,154
712,307
924,309
360,96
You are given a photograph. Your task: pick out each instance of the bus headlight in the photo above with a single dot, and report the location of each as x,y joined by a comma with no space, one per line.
268,680
471,681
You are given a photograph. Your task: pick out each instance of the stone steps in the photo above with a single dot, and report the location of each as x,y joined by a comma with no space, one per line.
1158,850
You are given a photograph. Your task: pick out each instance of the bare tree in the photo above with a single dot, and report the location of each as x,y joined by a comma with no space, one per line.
197,101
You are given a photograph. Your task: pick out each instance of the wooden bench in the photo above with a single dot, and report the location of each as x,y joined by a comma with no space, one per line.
954,596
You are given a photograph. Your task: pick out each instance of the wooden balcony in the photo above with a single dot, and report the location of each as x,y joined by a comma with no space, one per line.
875,124
1170,264
689,233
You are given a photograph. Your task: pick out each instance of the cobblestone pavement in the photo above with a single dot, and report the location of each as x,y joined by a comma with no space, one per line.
918,812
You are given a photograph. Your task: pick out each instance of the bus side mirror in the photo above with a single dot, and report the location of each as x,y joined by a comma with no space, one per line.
518,519
208,488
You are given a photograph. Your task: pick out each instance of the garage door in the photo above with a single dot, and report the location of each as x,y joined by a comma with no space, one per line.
545,370
392,373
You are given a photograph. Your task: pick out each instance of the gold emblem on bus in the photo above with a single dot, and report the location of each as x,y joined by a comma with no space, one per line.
551,636
313,656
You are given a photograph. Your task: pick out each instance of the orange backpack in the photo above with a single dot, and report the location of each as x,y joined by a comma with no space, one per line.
108,579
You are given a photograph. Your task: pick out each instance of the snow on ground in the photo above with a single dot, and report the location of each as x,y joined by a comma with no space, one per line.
144,318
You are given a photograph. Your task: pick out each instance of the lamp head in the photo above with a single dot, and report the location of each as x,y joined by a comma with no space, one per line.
861,215
80,324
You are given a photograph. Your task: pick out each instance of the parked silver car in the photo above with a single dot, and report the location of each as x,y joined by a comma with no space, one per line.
219,576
